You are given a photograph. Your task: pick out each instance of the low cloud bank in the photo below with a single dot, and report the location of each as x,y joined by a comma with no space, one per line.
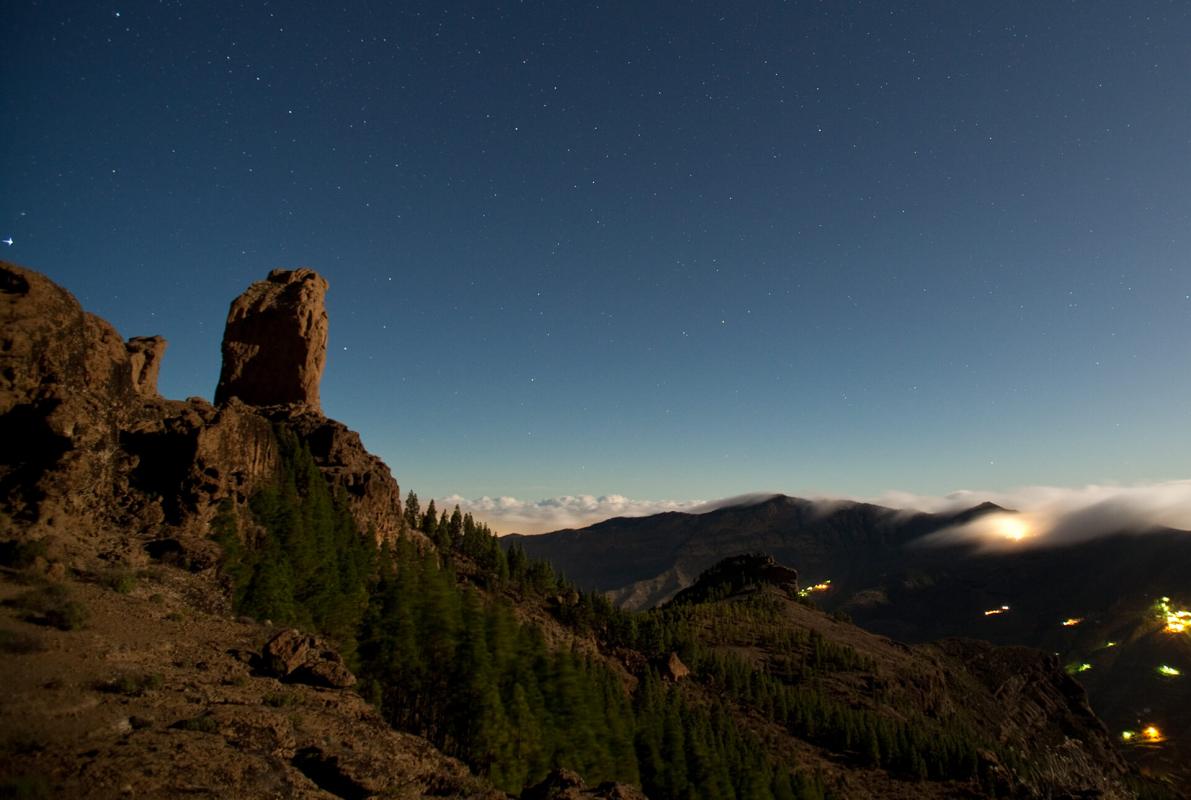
511,515
1050,515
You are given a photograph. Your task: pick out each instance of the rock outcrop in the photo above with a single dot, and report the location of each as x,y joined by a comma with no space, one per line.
372,494
65,389
674,670
275,342
297,657
563,784
144,358
90,443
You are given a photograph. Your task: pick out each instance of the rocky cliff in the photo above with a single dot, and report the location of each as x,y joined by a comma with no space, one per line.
89,442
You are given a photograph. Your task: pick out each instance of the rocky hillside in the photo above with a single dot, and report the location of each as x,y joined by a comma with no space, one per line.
138,533
868,562
128,677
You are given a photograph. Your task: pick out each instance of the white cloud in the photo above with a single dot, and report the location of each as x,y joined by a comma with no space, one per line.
1057,515
510,515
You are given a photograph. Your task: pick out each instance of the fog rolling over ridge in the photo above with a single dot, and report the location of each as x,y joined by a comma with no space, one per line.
1051,515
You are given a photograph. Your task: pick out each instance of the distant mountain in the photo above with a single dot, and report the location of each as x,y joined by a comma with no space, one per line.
887,581
642,561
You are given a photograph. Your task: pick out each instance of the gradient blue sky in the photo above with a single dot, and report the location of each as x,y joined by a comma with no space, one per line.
660,250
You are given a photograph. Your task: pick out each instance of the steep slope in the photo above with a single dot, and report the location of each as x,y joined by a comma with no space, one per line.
873,718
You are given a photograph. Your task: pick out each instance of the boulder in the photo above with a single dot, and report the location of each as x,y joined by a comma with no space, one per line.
275,342
298,657
562,784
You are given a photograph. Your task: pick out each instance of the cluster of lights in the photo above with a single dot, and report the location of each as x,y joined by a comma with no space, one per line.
1071,622
1177,620
992,612
818,587
1150,733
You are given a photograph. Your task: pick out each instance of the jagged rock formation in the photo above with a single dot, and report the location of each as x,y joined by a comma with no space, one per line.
144,357
275,342
66,387
89,442
297,657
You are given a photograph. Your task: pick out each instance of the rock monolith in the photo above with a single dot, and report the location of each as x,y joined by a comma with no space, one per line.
275,342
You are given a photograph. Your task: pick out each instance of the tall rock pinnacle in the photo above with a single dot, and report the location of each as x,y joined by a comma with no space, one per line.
275,342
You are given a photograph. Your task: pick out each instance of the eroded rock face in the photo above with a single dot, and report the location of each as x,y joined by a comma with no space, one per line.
144,359
275,342
65,388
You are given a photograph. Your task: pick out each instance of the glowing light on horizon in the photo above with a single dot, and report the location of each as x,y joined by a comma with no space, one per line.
1012,528
1128,735
1151,733
818,587
992,612
1071,622
1169,671
1082,666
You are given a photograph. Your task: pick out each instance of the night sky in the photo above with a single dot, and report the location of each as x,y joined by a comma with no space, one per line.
660,250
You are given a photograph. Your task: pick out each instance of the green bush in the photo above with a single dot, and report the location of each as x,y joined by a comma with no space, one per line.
133,685
52,606
203,723
122,581
280,699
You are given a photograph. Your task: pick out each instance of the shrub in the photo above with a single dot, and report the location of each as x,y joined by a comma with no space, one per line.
122,581
203,723
133,685
52,606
